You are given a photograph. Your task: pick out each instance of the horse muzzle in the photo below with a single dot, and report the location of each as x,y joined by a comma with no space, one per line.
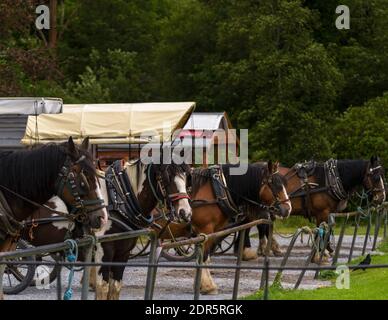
99,220
184,215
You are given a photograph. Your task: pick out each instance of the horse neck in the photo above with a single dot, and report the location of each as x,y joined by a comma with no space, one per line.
32,175
140,182
351,173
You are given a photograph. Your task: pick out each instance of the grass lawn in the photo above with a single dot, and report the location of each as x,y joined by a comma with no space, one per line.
290,225
371,284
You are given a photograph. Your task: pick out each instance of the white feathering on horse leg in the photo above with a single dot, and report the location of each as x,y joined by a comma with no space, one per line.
208,286
114,289
102,289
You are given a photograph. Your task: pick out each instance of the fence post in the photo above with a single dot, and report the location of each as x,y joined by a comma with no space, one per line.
357,221
59,282
198,271
151,272
86,274
239,259
266,283
367,233
340,239
288,252
2,269
385,222
266,254
308,261
379,217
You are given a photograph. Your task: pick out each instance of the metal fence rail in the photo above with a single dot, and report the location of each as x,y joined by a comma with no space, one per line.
317,236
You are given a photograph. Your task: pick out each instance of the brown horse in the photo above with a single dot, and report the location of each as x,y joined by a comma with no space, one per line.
317,189
29,178
253,192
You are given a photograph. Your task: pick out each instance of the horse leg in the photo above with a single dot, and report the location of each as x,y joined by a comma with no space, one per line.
275,247
94,271
103,274
248,253
116,283
261,249
122,253
208,286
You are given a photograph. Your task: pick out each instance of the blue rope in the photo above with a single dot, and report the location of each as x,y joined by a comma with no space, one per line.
71,256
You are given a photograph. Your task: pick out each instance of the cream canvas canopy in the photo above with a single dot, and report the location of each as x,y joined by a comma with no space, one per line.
109,123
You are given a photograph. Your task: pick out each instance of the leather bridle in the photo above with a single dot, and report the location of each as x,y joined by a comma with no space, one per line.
166,199
275,205
67,180
372,174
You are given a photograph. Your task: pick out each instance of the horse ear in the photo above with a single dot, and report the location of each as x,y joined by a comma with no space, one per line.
71,146
85,144
270,166
276,167
373,160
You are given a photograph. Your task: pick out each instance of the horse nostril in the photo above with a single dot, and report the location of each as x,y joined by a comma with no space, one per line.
183,215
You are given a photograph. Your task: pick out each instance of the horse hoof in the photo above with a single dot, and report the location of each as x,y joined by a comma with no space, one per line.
209,291
278,253
249,254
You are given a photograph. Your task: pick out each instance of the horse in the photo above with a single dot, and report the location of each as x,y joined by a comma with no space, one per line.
255,192
318,188
151,185
29,178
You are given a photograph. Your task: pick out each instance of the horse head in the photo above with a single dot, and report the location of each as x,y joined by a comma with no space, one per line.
273,191
374,181
78,186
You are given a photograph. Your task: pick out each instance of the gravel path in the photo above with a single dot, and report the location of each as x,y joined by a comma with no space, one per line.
177,284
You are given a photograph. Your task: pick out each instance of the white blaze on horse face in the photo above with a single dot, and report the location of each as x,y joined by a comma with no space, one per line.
183,204
99,193
287,201
382,187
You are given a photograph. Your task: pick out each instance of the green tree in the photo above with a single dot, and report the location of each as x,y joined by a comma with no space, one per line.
363,131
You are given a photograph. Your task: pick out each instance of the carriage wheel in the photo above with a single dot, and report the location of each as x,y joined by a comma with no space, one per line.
182,254
53,270
18,277
141,248
226,243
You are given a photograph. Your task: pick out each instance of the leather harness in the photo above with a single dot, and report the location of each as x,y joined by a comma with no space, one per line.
333,183
223,197
122,198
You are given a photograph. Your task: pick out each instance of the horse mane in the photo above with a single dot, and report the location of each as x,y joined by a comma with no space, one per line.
247,185
33,173
351,173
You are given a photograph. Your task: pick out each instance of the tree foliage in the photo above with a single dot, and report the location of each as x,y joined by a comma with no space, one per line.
278,67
